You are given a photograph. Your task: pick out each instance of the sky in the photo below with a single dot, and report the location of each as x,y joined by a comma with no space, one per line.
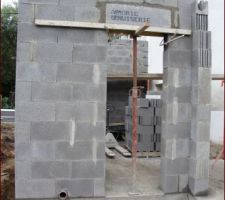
216,25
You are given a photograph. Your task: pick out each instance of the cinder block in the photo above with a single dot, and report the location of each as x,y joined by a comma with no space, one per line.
77,36
171,3
184,43
26,12
158,129
201,112
89,92
182,148
24,52
54,131
75,73
201,39
32,71
53,2
55,12
201,58
183,183
198,187
199,168
78,3
23,92
177,58
22,132
78,111
79,151
42,151
22,170
174,166
27,111
51,92
201,94
53,53
22,151
199,150
169,183
29,32
99,187
87,131
88,169
89,53
145,113
147,130
200,131
76,187
100,153
178,130
50,170
158,111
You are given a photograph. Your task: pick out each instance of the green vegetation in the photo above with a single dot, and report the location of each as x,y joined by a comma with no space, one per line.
9,40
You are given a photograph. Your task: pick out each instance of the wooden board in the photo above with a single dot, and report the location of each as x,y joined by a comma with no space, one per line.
109,153
113,28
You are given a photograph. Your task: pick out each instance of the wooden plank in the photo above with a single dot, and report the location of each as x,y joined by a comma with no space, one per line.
123,151
141,29
151,76
109,153
114,28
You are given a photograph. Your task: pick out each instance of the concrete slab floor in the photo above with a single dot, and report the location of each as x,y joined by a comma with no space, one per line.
119,179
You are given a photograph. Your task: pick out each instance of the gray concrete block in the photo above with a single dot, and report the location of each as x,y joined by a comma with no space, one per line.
77,36
169,183
90,92
199,150
147,130
87,131
174,166
199,168
201,76
51,92
198,187
201,39
158,111
24,52
23,92
55,12
182,148
32,71
42,151
177,58
26,12
29,32
27,111
179,94
201,58
76,187
184,43
171,3
88,169
22,170
99,187
201,112
178,130
89,53
53,53
146,113
35,189
183,183
87,14
22,132
22,151
201,94
78,3
81,150
146,121
75,72
177,112
158,129
100,147
50,169
53,2
200,131
54,131
185,10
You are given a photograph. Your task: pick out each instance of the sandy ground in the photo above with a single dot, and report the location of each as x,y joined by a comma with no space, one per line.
118,174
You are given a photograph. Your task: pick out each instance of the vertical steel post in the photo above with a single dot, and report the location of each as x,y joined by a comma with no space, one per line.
134,111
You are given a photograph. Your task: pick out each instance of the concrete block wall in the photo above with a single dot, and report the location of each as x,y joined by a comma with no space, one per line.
60,103
119,57
201,101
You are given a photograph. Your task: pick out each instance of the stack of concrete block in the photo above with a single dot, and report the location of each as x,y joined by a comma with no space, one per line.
119,57
148,124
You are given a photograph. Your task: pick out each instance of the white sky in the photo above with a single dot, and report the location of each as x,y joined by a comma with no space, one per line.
216,25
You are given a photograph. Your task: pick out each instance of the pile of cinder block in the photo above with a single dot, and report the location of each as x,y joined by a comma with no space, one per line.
148,124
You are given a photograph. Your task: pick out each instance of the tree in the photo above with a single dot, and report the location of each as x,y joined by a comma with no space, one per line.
9,40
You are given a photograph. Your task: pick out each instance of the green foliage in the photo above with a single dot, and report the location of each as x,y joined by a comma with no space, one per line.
6,103
9,40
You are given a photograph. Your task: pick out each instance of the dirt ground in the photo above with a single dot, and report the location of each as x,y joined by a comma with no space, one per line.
7,168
